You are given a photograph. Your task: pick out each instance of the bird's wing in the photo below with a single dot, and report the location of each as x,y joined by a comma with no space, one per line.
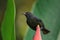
40,22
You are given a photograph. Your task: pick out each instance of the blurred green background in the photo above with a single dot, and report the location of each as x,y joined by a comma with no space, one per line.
3,4
13,24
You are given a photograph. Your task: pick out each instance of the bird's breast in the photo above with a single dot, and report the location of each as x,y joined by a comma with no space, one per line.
32,24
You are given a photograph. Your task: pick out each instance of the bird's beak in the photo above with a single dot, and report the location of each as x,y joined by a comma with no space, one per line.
23,13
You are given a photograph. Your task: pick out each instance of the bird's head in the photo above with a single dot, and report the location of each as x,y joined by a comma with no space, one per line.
28,14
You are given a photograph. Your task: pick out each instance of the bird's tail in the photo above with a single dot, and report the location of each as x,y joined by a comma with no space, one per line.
45,31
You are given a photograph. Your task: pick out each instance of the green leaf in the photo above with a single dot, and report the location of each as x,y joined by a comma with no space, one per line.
8,22
49,12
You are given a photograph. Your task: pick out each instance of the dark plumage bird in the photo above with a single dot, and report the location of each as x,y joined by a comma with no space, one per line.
33,21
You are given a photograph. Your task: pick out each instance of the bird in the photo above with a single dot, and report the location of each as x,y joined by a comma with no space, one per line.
33,21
